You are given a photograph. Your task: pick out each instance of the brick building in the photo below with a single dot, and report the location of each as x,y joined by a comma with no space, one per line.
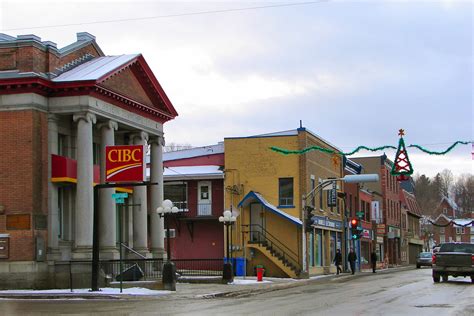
59,108
386,201
449,226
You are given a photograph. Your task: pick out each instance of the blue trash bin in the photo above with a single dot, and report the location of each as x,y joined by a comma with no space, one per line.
239,266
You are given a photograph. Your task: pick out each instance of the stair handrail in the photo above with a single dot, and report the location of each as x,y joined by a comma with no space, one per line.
290,254
133,251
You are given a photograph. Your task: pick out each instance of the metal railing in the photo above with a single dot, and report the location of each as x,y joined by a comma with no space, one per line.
204,209
199,267
143,269
259,235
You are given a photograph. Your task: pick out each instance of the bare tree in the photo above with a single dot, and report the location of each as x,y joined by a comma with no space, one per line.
446,182
463,191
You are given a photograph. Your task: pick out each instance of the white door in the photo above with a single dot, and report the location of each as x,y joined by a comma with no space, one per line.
256,221
204,198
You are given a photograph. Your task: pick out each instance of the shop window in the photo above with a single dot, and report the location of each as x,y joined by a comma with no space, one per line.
285,191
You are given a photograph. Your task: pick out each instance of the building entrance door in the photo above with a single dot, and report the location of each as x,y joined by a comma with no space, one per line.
257,221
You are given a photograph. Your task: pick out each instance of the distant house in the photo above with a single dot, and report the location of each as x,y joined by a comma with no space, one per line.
194,182
447,229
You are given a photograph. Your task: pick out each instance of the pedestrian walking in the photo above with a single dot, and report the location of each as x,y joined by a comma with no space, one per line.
338,261
373,260
352,257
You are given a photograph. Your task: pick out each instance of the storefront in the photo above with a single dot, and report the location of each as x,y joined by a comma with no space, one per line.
325,239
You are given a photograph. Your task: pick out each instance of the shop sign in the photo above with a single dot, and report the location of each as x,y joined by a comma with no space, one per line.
124,163
394,231
366,233
326,222
332,195
380,229
379,240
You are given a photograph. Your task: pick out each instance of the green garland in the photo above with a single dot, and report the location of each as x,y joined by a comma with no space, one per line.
330,151
440,152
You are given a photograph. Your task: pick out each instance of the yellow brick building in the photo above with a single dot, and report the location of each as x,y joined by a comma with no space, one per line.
266,190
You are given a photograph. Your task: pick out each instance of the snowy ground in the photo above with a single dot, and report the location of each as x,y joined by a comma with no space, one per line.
103,291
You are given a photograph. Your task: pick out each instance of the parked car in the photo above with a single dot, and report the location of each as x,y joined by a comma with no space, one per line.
455,259
424,259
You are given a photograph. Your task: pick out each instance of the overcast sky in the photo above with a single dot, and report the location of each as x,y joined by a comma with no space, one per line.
355,72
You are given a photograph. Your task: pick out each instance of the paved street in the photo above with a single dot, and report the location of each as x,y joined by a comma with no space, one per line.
406,292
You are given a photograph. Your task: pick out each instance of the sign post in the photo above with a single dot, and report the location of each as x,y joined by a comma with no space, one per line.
124,167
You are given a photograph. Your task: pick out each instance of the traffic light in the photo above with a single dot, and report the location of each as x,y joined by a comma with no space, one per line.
308,213
356,230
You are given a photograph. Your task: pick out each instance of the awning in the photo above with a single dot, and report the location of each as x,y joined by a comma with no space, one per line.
253,197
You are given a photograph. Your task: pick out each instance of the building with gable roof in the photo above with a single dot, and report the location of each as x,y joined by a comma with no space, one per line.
267,188
59,109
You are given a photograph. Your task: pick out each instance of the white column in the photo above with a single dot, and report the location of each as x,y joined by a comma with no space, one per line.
107,213
84,189
140,211
156,195
53,212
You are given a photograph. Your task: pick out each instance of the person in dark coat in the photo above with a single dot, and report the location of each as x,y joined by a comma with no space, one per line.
373,260
338,261
352,257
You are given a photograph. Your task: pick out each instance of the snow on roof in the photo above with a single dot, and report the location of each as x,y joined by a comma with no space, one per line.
466,222
194,152
191,172
95,68
451,203
252,196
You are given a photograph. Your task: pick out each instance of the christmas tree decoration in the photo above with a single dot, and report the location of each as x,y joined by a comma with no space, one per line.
401,168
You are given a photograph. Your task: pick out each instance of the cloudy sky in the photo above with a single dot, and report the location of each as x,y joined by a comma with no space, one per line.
354,72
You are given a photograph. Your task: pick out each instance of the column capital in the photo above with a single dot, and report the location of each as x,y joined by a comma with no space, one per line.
110,124
53,118
143,136
86,116
157,139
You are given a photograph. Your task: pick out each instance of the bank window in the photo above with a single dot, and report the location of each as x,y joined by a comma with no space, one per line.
285,191
313,185
62,145
96,153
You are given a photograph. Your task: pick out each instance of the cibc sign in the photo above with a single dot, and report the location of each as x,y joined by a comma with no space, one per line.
124,163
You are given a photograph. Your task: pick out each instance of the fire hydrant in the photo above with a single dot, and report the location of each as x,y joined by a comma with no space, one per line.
260,272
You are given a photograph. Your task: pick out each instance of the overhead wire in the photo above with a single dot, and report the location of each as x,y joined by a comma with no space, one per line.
169,15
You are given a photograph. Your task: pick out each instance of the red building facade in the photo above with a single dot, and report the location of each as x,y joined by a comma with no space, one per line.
194,181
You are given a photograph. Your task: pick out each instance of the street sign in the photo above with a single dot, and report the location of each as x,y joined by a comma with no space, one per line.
360,214
120,195
119,201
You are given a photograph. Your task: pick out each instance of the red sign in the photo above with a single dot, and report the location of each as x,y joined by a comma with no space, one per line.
124,163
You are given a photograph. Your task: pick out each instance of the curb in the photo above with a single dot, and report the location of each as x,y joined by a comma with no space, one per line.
277,287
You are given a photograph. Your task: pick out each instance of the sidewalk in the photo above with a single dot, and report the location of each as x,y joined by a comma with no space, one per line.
239,288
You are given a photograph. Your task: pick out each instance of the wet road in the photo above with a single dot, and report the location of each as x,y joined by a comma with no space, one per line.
409,292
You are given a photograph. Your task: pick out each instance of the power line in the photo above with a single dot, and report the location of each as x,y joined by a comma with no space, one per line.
170,15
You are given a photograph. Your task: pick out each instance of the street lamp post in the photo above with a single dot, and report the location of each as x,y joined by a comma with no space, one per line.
227,273
357,178
169,268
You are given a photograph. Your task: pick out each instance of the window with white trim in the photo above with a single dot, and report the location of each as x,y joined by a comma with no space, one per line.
459,230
